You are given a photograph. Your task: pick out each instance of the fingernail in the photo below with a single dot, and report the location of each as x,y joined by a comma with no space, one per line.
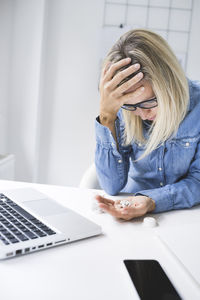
142,89
136,66
128,59
139,75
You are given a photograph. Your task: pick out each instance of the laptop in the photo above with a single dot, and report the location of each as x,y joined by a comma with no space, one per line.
31,221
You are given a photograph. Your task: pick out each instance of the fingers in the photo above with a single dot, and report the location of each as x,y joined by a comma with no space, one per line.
120,76
132,96
110,90
136,209
105,69
108,206
120,213
104,200
128,84
116,66
111,210
112,84
129,213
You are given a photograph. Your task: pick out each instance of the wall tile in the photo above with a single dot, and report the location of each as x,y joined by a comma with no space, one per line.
138,2
137,16
158,18
115,14
178,41
179,20
117,1
160,3
163,33
169,18
187,4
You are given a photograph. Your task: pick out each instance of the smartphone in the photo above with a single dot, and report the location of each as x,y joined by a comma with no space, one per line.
150,280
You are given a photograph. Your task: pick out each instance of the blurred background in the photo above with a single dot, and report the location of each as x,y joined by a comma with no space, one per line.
50,57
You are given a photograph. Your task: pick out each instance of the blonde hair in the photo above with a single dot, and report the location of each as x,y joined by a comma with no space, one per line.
166,76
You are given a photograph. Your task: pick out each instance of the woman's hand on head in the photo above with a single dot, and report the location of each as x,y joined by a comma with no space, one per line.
113,95
139,206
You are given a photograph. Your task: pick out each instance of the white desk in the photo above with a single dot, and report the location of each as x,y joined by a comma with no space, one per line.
93,269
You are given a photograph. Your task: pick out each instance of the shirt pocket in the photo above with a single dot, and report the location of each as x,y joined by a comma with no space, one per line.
182,154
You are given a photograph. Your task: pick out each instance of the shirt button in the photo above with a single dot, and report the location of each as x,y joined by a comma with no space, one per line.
160,169
119,161
139,144
113,144
161,183
187,144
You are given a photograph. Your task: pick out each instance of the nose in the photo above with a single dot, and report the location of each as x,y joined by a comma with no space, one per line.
142,113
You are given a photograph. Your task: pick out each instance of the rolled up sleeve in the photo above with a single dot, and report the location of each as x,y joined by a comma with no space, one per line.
112,163
185,193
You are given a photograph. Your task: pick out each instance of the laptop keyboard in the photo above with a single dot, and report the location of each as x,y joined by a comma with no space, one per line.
17,225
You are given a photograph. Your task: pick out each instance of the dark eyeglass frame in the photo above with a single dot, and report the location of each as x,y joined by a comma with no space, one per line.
133,107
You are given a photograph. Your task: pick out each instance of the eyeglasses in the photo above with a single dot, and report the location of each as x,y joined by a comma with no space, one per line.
147,104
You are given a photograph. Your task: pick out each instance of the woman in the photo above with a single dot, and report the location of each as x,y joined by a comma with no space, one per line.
148,130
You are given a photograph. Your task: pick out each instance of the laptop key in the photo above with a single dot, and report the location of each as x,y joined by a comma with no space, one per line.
47,230
22,237
9,235
50,232
10,202
42,226
22,224
40,233
4,240
14,240
16,231
31,235
23,212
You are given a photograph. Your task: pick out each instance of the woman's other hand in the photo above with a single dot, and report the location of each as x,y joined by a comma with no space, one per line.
139,206
112,94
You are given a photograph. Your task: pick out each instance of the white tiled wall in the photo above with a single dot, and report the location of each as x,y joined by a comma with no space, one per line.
136,15
180,20
169,18
118,1
115,14
160,3
158,18
185,4
138,2
178,41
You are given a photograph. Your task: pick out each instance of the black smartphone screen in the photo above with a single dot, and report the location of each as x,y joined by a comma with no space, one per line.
150,280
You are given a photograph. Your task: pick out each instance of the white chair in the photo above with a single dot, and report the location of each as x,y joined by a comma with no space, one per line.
89,179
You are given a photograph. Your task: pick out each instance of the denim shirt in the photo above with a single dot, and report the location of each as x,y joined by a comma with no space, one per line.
170,174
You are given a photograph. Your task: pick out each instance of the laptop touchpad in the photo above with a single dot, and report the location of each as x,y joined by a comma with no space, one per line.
45,207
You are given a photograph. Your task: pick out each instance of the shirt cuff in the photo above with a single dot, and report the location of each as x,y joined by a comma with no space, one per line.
103,134
161,196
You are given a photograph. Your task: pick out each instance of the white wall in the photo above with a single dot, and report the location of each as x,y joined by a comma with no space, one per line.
24,83
52,95
193,66
6,18
69,95
49,57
